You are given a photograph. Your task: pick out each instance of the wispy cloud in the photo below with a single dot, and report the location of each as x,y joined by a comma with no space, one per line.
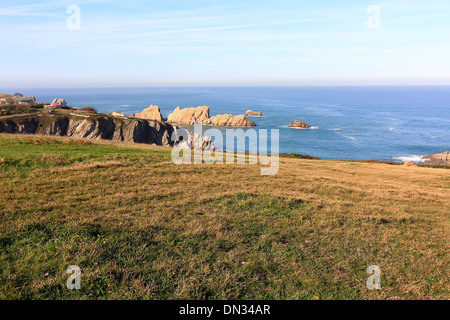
285,38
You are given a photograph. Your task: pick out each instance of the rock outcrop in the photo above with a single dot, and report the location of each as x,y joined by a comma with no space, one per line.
439,159
229,120
201,114
201,143
117,114
299,124
151,113
251,113
189,115
409,164
100,127
193,141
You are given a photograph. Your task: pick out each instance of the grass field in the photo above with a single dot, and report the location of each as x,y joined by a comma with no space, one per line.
141,227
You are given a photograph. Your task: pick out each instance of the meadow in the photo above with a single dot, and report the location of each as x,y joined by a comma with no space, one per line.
141,227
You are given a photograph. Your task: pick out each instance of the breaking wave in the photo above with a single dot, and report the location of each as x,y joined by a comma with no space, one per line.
412,158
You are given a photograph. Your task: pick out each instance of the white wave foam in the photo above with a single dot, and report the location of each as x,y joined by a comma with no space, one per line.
297,128
337,131
412,158
349,137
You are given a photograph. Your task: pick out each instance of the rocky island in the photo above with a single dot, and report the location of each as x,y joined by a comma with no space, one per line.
201,114
299,124
251,113
230,121
189,115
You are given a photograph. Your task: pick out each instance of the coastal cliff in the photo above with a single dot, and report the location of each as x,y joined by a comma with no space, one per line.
96,127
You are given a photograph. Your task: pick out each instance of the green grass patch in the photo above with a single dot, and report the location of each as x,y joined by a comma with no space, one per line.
140,227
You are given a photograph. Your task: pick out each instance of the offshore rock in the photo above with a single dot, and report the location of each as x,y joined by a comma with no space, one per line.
229,120
299,124
151,113
189,115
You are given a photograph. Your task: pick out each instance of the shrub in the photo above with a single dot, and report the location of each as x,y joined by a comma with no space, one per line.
89,109
298,156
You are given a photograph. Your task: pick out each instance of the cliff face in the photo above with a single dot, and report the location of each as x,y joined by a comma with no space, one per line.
96,127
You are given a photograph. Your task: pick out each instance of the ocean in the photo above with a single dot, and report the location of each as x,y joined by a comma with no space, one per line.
352,123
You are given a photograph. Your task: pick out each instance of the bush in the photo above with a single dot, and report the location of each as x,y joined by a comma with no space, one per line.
297,156
89,109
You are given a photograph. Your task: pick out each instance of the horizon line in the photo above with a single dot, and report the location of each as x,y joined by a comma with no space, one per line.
226,86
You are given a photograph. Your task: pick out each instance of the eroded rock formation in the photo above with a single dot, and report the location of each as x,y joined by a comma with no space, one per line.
117,114
189,115
100,127
251,113
439,159
193,141
299,124
229,120
151,113
201,114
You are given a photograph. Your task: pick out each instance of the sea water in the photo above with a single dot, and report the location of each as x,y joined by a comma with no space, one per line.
379,123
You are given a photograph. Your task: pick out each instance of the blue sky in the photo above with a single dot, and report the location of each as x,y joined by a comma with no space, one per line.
143,43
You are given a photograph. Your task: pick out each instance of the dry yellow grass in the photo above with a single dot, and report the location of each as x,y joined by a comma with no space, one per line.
142,227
